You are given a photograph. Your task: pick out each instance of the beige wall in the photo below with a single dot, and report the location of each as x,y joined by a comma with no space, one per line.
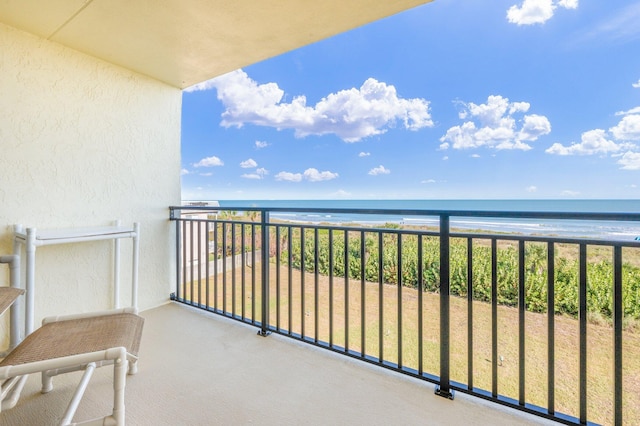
85,142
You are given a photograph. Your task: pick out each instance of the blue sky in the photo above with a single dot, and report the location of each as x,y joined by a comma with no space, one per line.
455,99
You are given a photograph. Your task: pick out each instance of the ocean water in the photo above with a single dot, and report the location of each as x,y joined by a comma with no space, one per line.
614,230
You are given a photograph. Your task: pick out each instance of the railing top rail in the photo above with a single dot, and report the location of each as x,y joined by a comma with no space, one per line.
614,216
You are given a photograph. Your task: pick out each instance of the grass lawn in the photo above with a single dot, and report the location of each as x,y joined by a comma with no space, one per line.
304,318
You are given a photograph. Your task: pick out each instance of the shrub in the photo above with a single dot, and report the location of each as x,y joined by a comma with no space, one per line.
599,274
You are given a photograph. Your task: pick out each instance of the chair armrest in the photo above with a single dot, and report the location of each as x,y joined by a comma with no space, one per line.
9,371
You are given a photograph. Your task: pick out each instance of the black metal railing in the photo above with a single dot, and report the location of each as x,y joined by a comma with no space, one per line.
486,314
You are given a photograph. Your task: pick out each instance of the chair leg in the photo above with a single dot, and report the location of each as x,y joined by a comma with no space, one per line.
77,396
47,382
120,368
133,367
12,389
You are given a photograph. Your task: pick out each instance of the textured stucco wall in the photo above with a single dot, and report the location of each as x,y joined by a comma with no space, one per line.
85,142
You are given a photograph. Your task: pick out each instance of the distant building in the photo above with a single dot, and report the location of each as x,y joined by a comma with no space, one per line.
196,250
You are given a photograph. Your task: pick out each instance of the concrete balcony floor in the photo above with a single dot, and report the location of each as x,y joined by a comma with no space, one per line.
197,368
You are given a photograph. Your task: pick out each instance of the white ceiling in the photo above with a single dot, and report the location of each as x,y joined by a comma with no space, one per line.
184,42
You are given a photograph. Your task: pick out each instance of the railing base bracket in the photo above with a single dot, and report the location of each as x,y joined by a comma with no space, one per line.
445,394
263,333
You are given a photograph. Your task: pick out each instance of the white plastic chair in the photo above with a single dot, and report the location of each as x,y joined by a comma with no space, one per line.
72,343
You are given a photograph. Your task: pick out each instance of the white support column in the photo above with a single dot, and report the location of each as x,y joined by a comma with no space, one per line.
116,270
136,258
16,312
29,301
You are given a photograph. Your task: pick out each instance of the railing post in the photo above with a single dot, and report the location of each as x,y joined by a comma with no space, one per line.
174,295
582,318
618,310
443,389
264,225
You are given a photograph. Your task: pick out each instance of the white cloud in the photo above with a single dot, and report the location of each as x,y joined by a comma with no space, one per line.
209,162
537,11
475,156
249,164
291,177
636,85
628,129
205,85
532,188
428,181
261,144
313,175
533,127
568,4
364,154
531,12
341,193
617,142
380,170
206,174
630,161
635,110
495,126
259,174
569,193
184,172
350,114
593,142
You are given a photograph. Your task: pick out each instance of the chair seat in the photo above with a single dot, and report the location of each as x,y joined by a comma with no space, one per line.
7,296
79,336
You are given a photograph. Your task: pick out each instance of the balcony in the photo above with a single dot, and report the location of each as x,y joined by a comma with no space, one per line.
198,368
546,324
362,323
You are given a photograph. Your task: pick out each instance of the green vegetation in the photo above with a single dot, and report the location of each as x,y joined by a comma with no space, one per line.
599,272
566,268
223,243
